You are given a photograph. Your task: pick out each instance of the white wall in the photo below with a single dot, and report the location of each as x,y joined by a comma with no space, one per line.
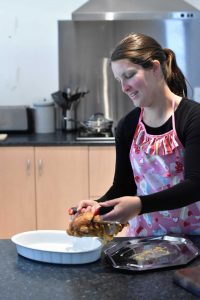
28,47
195,3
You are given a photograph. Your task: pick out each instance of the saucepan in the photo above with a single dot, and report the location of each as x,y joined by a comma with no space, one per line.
97,123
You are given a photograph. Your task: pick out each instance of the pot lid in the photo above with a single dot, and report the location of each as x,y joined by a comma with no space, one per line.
42,103
98,117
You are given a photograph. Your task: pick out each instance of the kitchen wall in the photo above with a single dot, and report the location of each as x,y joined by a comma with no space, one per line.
29,48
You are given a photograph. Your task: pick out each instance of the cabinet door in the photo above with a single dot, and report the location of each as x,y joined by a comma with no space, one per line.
101,169
17,190
61,182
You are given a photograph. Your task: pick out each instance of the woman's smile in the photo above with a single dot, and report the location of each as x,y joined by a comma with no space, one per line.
133,95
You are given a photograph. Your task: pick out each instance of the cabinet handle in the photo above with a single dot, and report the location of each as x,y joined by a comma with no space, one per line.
28,167
40,166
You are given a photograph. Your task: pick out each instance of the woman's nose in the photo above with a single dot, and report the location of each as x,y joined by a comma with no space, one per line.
125,87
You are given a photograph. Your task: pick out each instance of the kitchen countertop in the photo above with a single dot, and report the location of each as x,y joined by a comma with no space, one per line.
21,278
59,138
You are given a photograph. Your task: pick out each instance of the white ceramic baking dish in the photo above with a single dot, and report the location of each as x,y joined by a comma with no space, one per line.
55,246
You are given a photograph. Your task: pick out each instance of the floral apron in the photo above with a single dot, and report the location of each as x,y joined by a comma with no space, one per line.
157,163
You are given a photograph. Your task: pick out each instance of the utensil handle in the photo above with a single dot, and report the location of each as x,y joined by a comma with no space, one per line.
102,210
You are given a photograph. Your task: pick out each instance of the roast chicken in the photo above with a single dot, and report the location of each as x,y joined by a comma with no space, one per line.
86,224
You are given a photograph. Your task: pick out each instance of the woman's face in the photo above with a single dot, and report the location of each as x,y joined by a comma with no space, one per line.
138,83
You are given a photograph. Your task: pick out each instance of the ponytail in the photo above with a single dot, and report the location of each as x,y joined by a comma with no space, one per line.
173,75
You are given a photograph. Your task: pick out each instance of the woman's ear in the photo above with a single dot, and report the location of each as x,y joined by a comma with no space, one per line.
156,67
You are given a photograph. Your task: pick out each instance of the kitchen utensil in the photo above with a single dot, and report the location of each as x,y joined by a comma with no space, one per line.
56,246
65,99
141,254
110,227
59,99
101,211
98,123
189,279
68,101
76,95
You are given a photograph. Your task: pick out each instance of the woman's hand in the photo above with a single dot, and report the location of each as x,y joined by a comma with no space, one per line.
125,208
88,205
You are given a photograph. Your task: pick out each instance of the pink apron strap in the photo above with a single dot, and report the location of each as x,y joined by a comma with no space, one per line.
141,114
173,117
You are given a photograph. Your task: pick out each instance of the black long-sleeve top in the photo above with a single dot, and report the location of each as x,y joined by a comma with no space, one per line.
187,120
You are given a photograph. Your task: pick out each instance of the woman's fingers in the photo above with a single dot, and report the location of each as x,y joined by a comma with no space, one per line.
109,203
87,205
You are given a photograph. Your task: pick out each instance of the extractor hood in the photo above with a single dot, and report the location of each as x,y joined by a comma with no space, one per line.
96,10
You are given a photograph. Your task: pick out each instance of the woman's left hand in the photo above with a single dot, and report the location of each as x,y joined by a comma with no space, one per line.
125,208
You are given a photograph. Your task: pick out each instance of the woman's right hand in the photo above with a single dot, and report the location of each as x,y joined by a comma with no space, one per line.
125,208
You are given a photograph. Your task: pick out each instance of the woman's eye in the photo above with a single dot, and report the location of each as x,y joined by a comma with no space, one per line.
129,75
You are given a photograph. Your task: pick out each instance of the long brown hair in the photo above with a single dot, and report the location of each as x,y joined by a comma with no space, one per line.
142,50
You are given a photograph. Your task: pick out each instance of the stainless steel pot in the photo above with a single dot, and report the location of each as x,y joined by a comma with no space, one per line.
97,123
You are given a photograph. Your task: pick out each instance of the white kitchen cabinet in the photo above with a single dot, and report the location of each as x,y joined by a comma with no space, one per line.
17,190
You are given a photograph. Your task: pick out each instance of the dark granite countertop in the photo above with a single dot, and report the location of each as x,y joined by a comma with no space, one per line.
59,138
21,278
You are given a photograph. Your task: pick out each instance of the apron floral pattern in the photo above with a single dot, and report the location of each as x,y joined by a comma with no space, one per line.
157,163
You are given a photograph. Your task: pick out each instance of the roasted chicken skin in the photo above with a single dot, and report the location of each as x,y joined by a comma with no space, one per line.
86,224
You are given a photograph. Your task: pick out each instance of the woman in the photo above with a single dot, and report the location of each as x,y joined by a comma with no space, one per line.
156,185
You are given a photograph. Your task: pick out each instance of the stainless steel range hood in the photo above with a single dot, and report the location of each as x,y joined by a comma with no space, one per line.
96,10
